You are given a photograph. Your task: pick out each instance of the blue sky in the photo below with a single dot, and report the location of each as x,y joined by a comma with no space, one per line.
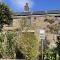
35,5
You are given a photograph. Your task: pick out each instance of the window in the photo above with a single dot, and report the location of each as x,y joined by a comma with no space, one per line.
28,21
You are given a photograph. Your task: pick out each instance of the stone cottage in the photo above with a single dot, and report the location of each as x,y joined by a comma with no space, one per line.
35,20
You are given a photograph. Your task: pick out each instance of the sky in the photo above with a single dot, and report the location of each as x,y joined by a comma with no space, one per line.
35,5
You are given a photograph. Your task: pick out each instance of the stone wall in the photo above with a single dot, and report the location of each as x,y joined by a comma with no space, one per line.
37,22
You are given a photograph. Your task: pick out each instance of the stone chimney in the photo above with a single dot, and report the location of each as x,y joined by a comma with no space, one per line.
1,1
26,8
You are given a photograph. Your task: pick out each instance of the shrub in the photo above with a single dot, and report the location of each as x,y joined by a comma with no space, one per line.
29,46
50,54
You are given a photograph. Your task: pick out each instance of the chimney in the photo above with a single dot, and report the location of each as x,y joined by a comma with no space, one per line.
1,1
26,8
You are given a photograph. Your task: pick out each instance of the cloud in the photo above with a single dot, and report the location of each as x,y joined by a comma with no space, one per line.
20,3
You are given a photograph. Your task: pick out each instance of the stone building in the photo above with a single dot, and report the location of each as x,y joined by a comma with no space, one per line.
35,20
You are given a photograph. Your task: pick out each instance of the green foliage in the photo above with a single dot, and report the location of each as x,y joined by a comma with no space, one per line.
10,45
1,37
29,46
50,54
58,45
5,15
7,49
1,41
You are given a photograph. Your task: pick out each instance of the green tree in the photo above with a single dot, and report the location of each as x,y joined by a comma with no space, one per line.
5,15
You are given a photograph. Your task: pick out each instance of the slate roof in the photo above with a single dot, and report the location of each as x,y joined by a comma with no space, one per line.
53,12
37,13
22,13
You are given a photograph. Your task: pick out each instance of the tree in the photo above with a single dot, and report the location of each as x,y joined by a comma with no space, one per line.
5,15
5,18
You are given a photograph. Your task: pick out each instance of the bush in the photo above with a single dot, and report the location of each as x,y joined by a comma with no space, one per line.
50,54
10,45
1,46
29,46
